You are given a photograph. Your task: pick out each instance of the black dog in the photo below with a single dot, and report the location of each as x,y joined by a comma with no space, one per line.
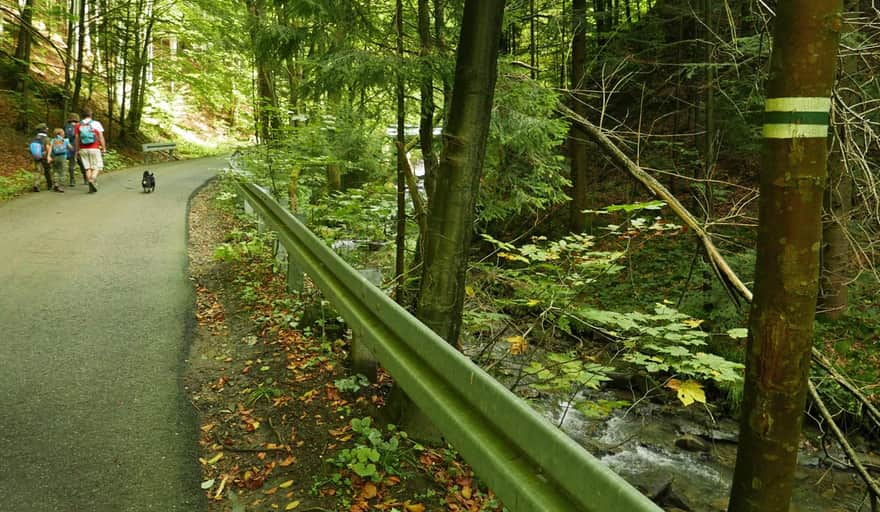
148,182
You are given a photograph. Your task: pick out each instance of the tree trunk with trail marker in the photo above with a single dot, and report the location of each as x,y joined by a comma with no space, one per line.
802,72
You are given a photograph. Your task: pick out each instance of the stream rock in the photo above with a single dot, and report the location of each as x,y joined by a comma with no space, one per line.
691,443
655,485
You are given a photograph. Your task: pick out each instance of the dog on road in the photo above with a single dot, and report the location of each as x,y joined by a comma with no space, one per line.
148,182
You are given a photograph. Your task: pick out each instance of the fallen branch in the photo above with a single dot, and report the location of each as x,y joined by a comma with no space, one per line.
825,364
417,201
731,281
850,453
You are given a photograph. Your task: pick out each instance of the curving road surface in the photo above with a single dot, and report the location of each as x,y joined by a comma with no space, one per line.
95,309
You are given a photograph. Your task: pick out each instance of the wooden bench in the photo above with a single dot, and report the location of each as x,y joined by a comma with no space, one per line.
163,147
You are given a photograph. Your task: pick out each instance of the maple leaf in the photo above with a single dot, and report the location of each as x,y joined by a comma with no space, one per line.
689,391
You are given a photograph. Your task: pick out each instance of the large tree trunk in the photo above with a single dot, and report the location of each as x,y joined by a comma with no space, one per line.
451,213
577,147
802,71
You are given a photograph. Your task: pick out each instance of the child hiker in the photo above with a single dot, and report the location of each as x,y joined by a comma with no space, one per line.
59,146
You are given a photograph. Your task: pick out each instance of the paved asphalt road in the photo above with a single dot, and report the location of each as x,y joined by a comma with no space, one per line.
95,310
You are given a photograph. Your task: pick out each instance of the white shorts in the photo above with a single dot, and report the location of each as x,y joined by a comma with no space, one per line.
91,158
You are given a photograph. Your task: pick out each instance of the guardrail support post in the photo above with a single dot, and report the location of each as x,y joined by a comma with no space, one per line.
362,360
248,209
294,276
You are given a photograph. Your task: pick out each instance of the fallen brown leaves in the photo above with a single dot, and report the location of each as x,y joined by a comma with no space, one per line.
272,416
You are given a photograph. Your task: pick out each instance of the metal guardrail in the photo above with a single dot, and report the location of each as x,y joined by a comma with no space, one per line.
529,463
152,147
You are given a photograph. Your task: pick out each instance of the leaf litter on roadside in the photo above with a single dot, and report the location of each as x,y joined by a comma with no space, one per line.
272,417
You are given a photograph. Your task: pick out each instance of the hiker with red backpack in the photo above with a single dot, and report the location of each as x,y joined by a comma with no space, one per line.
90,146
59,147
41,154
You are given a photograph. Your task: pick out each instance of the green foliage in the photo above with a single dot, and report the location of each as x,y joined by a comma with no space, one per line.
550,279
11,186
599,409
665,341
853,342
114,160
345,136
634,207
242,245
523,171
353,384
374,454
357,214
557,268
210,75
567,372
346,139
264,390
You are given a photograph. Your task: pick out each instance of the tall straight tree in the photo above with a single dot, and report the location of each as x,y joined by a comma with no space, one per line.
577,145
80,53
451,215
23,56
802,71
400,257
266,101
426,94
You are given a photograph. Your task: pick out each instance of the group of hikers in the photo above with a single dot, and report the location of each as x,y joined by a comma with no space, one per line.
81,142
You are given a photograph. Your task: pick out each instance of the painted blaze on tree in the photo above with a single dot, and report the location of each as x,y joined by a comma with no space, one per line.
802,70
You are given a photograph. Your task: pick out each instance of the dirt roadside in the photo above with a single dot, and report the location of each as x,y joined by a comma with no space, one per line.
282,423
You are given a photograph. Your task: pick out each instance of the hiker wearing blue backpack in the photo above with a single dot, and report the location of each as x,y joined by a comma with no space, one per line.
41,154
90,146
72,158
59,148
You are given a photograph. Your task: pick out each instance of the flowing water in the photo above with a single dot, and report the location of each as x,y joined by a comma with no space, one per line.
684,460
